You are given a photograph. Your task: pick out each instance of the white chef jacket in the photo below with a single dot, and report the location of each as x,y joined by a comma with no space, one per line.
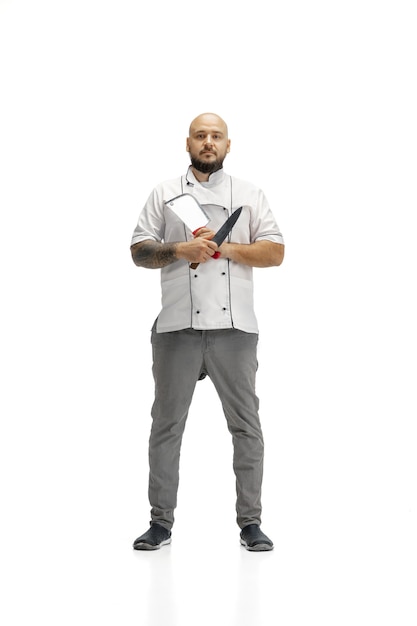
219,293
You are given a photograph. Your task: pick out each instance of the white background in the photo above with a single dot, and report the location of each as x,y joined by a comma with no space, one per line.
95,101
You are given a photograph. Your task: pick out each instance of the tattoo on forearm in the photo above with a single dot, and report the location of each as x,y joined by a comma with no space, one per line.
154,255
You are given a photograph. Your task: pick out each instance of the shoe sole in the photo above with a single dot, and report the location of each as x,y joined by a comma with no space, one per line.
147,546
259,547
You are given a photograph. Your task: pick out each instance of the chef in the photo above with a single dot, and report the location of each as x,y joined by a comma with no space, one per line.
207,324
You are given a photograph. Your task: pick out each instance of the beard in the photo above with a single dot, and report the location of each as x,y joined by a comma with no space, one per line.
206,167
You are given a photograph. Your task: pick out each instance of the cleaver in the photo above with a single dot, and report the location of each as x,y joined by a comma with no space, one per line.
189,211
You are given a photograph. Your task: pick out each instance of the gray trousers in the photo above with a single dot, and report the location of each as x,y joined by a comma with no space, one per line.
229,358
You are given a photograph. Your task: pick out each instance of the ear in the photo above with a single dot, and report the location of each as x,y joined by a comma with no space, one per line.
187,147
228,145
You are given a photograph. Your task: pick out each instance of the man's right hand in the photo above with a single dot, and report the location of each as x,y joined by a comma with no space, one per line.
198,250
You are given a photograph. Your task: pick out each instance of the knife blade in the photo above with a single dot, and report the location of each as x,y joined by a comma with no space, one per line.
222,233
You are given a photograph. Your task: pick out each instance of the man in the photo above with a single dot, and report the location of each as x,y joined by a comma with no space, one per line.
207,325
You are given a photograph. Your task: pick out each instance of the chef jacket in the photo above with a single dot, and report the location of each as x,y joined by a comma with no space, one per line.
219,293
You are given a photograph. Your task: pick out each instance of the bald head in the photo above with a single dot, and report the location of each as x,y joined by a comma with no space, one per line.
209,119
208,143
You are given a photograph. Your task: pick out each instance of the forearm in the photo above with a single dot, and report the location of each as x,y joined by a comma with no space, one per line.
152,254
259,254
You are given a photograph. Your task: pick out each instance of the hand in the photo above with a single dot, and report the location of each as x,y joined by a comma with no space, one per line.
198,250
205,232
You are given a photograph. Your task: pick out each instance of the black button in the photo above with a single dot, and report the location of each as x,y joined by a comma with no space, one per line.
223,273
197,311
195,275
224,308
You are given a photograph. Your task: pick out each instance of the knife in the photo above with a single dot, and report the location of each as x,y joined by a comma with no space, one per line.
222,233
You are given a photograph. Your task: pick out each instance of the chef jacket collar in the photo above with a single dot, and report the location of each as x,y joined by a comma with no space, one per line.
216,178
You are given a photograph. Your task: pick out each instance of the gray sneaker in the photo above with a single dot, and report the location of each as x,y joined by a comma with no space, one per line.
154,538
254,539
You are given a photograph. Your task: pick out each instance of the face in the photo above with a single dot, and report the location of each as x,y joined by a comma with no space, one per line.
208,143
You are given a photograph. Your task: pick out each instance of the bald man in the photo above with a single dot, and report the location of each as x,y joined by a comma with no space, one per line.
207,324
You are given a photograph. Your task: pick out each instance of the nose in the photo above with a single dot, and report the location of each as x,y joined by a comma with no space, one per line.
208,141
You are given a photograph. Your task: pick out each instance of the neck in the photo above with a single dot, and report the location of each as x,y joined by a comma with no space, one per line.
202,178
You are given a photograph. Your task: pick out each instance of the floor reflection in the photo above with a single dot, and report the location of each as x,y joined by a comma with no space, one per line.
202,586
157,601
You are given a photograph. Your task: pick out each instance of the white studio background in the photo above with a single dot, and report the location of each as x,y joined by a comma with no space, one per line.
95,102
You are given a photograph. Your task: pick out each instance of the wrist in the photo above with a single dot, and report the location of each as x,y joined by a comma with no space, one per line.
179,250
225,250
